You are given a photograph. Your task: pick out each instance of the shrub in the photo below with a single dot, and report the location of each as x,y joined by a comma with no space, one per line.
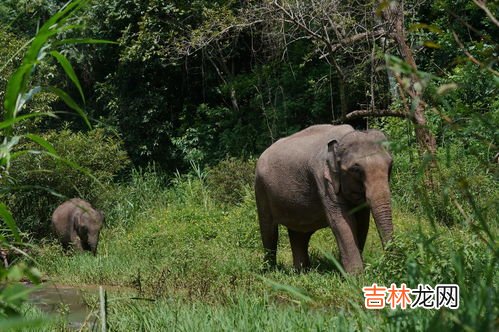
455,179
229,179
41,182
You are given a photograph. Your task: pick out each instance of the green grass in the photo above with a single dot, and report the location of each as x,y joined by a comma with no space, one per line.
201,264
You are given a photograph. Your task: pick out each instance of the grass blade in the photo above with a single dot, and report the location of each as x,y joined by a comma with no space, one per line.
293,291
15,87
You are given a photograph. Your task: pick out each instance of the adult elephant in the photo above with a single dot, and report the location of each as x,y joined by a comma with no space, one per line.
324,176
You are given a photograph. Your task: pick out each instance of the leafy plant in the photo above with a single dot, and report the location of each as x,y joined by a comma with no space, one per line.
230,178
19,92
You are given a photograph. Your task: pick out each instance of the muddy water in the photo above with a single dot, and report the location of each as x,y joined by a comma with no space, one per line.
67,301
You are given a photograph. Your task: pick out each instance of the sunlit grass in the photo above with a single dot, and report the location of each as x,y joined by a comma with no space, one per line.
200,260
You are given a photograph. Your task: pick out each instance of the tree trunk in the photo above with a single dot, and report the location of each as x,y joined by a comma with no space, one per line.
394,14
341,87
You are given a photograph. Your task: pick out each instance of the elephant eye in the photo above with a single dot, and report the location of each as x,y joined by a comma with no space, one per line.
356,169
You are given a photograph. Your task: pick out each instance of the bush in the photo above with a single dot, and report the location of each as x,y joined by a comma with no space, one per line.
41,182
455,179
229,180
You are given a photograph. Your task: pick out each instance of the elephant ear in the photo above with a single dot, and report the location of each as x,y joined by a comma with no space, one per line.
333,165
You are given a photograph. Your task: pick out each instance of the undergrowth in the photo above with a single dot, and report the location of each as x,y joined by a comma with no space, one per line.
199,264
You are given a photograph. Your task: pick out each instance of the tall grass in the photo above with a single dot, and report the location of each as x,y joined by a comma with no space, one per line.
200,262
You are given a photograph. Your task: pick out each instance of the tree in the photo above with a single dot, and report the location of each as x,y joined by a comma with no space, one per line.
356,31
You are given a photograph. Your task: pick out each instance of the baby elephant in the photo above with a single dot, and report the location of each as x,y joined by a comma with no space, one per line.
76,222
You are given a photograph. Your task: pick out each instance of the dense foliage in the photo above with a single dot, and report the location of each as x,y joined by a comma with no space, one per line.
205,80
39,183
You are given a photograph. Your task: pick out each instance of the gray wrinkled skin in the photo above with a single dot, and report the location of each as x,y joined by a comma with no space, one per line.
77,223
324,176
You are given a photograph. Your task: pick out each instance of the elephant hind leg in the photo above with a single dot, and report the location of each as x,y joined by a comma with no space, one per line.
268,230
270,237
299,245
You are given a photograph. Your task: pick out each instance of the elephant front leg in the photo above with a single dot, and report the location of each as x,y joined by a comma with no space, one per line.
76,242
342,225
299,246
361,227
349,252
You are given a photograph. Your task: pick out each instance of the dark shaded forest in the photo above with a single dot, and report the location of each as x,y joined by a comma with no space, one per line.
205,80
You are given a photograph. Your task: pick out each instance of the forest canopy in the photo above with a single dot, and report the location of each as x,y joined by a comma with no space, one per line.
205,80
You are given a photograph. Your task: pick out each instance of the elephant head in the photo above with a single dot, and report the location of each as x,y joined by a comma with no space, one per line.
88,225
360,169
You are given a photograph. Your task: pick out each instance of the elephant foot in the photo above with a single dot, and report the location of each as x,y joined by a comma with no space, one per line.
353,267
270,260
302,268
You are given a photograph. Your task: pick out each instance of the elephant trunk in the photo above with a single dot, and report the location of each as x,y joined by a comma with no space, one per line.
380,204
92,243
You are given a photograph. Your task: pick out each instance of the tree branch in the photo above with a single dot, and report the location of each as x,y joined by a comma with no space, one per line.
357,114
482,5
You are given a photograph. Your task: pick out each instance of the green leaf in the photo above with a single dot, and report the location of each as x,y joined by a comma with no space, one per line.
25,97
17,323
15,87
5,150
63,14
75,166
9,221
83,41
70,102
68,68
431,44
8,123
42,142
338,265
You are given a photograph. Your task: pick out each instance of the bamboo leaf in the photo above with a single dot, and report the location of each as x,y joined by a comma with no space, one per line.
8,123
68,69
14,89
70,102
9,221
83,41
42,142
